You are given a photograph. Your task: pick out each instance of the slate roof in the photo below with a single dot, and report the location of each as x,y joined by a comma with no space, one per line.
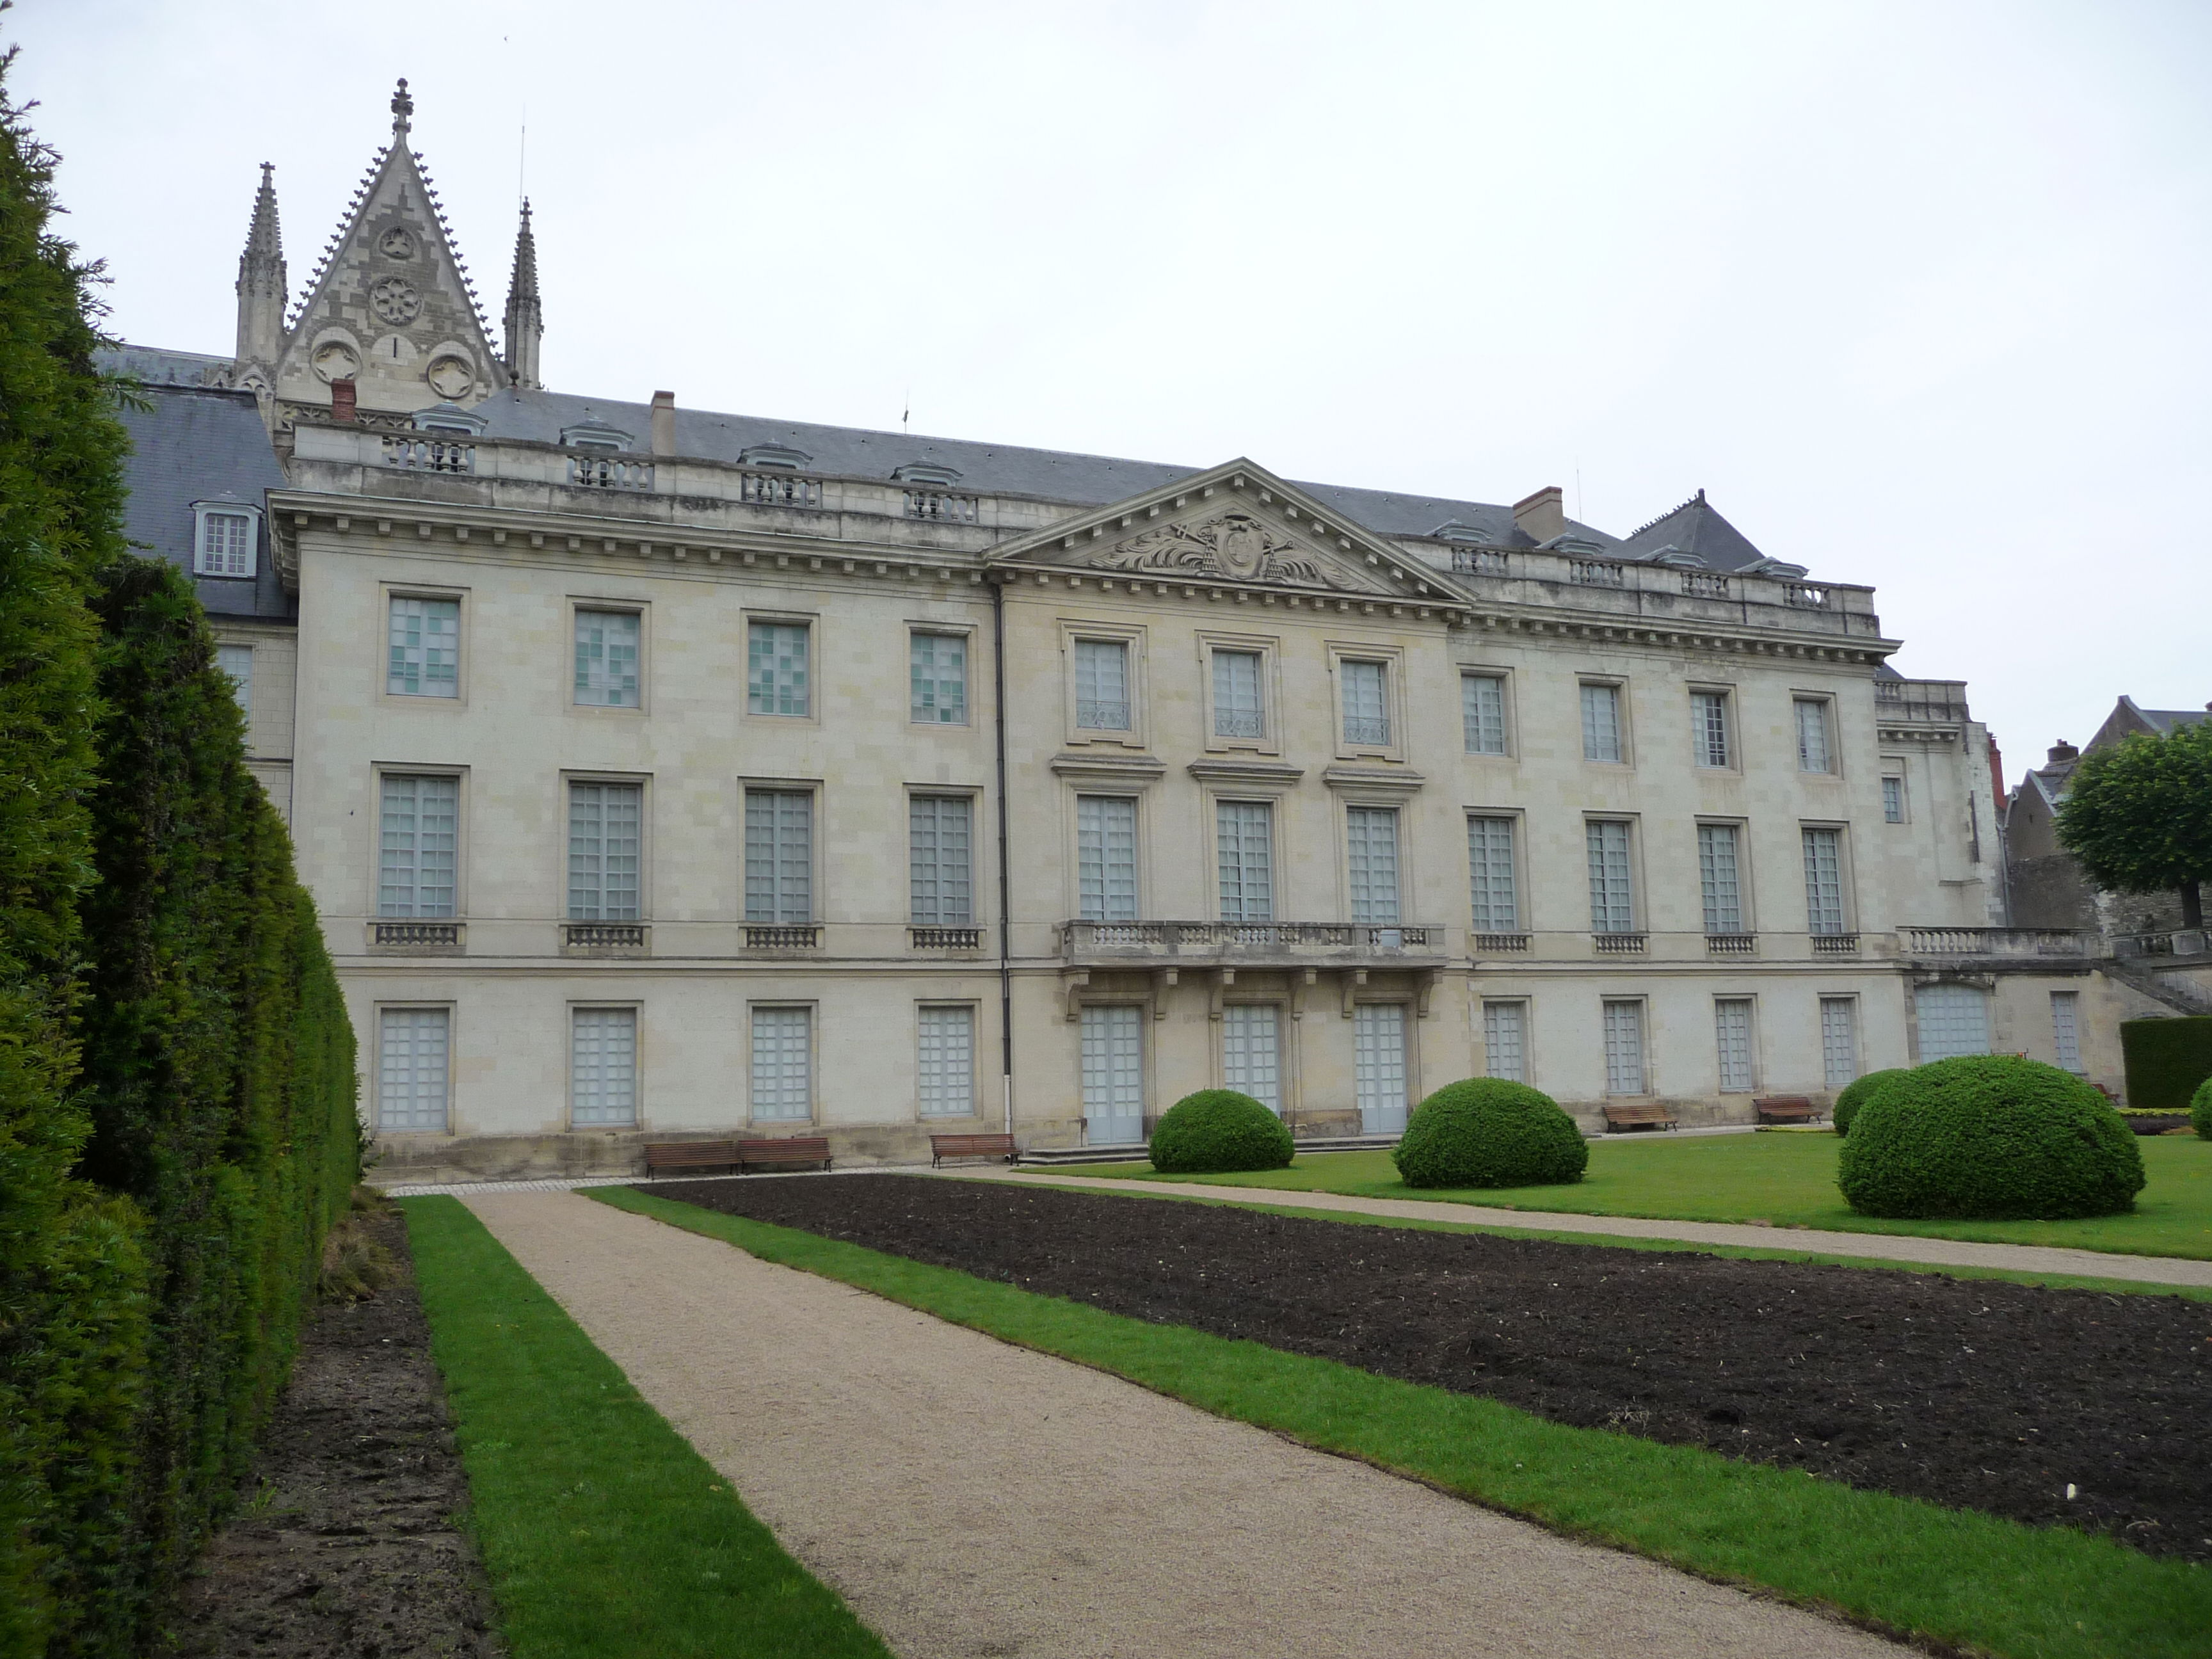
200,443
2166,721
1696,528
156,367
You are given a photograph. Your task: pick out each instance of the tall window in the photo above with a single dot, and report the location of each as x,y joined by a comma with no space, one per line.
1624,1047
1823,881
1244,837
1505,1041
226,545
1813,735
1113,1075
1482,707
603,1067
1106,857
410,1069
779,855
1366,703
945,1069
1893,801
1490,875
1372,834
604,825
1378,1066
777,678
937,675
1101,684
426,648
1238,711
420,825
938,838
1251,1054
1708,728
1953,1020
1602,723
1732,1036
2066,1028
1717,877
1613,896
606,659
1839,1040
237,661
783,1064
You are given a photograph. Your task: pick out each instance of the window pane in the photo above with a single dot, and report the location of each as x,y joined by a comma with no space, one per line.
1602,722
414,871
1505,1041
782,1087
1245,854
776,669
1823,881
226,545
1372,834
1954,1019
1716,876
939,678
1251,1055
1839,1040
1113,1066
2066,1028
1812,734
1709,727
1106,857
1624,1047
1612,906
1378,1066
411,1072
1482,706
1490,873
604,820
947,1070
940,838
1238,712
426,648
1732,1032
1366,705
603,1067
237,661
1893,801
606,658
1101,684
779,855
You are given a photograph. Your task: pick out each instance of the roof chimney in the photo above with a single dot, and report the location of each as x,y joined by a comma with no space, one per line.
1542,515
2061,751
343,394
664,423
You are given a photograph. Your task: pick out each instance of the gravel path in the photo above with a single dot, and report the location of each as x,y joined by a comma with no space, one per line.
970,1498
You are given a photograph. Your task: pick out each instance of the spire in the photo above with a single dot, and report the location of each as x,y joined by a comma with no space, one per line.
526,319
261,281
402,107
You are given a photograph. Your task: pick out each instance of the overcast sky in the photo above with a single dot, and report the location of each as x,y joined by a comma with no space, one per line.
1917,292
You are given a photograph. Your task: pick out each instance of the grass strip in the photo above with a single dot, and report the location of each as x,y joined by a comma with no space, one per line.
1950,1576
1615,1240
605,1534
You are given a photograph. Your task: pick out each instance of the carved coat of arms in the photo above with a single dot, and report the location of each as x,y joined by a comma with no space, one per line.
1235,545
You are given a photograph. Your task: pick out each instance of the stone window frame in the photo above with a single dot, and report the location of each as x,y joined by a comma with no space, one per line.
463,621
578,604
1392,658
1268,648
635,1007
1134,638
642,782
204,510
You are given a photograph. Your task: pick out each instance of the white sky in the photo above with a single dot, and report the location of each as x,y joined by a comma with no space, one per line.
1917,291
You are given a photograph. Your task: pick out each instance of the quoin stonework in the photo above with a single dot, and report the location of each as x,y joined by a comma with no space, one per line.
663,772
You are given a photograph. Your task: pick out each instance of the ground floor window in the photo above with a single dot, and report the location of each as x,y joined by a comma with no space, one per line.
410,1071
1252,1054
1378,1066
603,1067
1113,1075
1624,1047
2066,1028
947,1063
1505,1041
1954,1019
783,1064
1839,1040
1732,1034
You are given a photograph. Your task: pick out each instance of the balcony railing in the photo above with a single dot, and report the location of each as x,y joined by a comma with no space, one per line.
1238,723
781,936
2183,942
1479,561
941,507
1936,701
1805,596
1704,584
778,489
1835,944
429,454
416,935
1998,942
1373,730
1620,944
609,472
1229,940
1731,944
945,938
1499,945
603,935
1597,573
1093,715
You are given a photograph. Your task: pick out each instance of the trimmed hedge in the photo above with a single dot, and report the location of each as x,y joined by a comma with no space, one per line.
1216,1131
1857,1093
2200,1111
1989,1137
2166,1059
1487,1132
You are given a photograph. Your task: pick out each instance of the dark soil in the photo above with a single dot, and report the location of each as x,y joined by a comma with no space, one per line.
346,1546
1976,1394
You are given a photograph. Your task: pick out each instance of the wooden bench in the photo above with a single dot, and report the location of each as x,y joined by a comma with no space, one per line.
943,1146
690,1155
785,1149
1638,1117
1786,1109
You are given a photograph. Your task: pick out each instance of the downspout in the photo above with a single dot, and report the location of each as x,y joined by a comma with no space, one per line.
1005,878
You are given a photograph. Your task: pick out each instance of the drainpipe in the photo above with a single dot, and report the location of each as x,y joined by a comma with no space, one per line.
1005,878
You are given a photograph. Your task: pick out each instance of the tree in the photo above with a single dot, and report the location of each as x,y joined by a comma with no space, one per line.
2139,816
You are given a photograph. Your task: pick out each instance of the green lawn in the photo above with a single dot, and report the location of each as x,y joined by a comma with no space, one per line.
605,1535
1786,1179
1954,1576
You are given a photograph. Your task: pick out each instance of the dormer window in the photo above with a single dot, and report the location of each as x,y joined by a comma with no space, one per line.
1456,531
926,473
449,417
225,535
595,434
780,455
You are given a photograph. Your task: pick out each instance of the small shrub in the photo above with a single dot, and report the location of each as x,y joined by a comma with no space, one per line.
1857,1094
355,1265
2200,1109
1989,1137
2166,1059
1485,1132
1216,1131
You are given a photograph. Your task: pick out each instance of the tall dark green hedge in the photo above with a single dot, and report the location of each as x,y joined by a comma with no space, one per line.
2166,1059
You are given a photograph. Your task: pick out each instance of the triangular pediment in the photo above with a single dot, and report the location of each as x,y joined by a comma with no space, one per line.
1234,523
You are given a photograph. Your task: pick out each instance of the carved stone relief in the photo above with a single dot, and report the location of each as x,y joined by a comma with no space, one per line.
1236,546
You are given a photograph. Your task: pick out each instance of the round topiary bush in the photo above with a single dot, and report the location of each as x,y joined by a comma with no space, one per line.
1989,1137
1857,1094
1485,1132
1217,1130
2200,1109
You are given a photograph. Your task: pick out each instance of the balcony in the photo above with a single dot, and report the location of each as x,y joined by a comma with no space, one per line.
435,937
1620,944
780,489
430,454
1835,944
781,937
945,938
1731,944
604,939
1251,943
608,472
1499,945
1998,942
941,507
1480,562
1367,731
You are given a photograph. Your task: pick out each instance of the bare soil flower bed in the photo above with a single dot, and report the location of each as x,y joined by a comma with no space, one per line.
1978,1393
346,1547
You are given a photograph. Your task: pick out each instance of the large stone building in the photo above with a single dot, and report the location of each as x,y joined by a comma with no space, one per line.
662,771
